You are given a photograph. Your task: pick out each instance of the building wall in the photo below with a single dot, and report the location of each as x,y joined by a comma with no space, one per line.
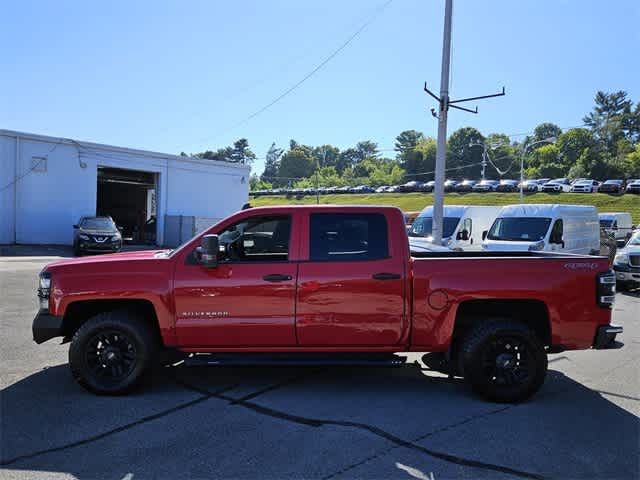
48,203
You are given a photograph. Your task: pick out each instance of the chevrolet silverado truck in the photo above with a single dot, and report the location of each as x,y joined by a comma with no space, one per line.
325,284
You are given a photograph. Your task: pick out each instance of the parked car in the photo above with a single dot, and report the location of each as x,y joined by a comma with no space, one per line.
531,186
318,283
558,185
485,186
627,264
465,186
96,235
412,186
618,224
428,187
507,186
450,185
393,189
554,228
612,186
633,186
361,189
462,226
585,186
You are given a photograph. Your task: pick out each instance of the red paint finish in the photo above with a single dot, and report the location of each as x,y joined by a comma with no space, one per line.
232,305
568,295
329,305
339,303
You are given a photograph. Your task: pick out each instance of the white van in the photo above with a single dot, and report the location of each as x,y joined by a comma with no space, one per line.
462,226
552,228
619,224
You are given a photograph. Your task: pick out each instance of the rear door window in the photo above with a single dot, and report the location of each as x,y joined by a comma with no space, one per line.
346,236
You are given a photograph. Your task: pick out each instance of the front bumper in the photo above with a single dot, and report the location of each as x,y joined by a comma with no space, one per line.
606,337
627,274
46,326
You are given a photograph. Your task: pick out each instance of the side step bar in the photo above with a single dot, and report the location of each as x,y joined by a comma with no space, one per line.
293,359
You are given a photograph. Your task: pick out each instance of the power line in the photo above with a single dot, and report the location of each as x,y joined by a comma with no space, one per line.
33,167
293,87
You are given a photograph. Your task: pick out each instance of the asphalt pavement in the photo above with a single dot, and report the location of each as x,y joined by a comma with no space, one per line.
324,423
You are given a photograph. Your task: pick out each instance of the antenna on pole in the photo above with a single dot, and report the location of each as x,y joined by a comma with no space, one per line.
444,104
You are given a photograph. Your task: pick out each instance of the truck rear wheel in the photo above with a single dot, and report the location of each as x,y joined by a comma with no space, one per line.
111,352
503,361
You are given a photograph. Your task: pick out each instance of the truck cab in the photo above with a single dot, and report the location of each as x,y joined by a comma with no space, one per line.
550,228
462,226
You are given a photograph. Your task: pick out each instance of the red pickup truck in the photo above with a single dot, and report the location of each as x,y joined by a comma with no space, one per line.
318,284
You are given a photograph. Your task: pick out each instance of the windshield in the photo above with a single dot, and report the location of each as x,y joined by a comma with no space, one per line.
423,225
606,223
97,224
519,229
635,240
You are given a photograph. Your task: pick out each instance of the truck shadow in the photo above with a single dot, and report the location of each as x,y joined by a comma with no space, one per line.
50,424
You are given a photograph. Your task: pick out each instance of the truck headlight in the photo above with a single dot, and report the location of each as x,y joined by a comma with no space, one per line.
621,259
83,236
44,290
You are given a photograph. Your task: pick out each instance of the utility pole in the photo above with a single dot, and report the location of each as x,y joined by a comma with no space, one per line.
438,188
444,104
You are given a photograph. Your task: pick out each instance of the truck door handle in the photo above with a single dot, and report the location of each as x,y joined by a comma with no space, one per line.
276,277
386,276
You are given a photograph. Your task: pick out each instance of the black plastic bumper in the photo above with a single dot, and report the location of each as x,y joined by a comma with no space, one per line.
606,337
46,326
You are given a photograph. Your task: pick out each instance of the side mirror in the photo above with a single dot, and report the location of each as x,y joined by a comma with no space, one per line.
208,251
484,234
463,235
75,227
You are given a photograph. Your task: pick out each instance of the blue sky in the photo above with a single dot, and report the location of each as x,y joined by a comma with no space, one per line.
172,76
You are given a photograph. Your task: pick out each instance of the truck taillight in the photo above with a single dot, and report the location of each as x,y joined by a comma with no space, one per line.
606,289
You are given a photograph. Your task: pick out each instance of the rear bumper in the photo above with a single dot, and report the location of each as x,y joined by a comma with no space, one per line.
46,326
606,337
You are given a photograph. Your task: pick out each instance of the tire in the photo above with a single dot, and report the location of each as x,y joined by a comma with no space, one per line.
503,361
76,251
111,352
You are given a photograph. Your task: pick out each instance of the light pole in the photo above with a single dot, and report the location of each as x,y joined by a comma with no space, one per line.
484,153
526,147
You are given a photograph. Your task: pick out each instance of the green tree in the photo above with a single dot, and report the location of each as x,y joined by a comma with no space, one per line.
407,140
462,156
504,157
545,162
241,153
544,131
612,119
326,155
296,163
272,163
420,161
257,184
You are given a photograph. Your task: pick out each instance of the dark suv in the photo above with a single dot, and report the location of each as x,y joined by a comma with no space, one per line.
96,234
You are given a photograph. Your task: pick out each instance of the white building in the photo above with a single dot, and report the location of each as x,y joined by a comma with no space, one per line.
48,183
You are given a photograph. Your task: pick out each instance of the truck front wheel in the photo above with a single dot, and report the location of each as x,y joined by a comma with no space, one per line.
111,352
503,361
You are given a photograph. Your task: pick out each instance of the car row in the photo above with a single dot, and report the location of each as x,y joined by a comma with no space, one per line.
546,185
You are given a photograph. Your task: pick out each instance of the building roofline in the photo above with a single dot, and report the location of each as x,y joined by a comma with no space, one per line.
126,150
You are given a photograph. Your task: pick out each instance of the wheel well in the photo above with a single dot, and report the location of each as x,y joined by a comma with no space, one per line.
532,313
77,313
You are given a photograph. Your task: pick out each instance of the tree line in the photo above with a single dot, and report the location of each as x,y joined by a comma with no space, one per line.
606,146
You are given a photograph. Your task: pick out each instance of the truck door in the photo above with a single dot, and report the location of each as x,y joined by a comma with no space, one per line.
351,289
249,298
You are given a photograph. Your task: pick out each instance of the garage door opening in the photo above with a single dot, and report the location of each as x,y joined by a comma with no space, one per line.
129,197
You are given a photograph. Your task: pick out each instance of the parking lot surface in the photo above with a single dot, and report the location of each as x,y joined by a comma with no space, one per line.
327,423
